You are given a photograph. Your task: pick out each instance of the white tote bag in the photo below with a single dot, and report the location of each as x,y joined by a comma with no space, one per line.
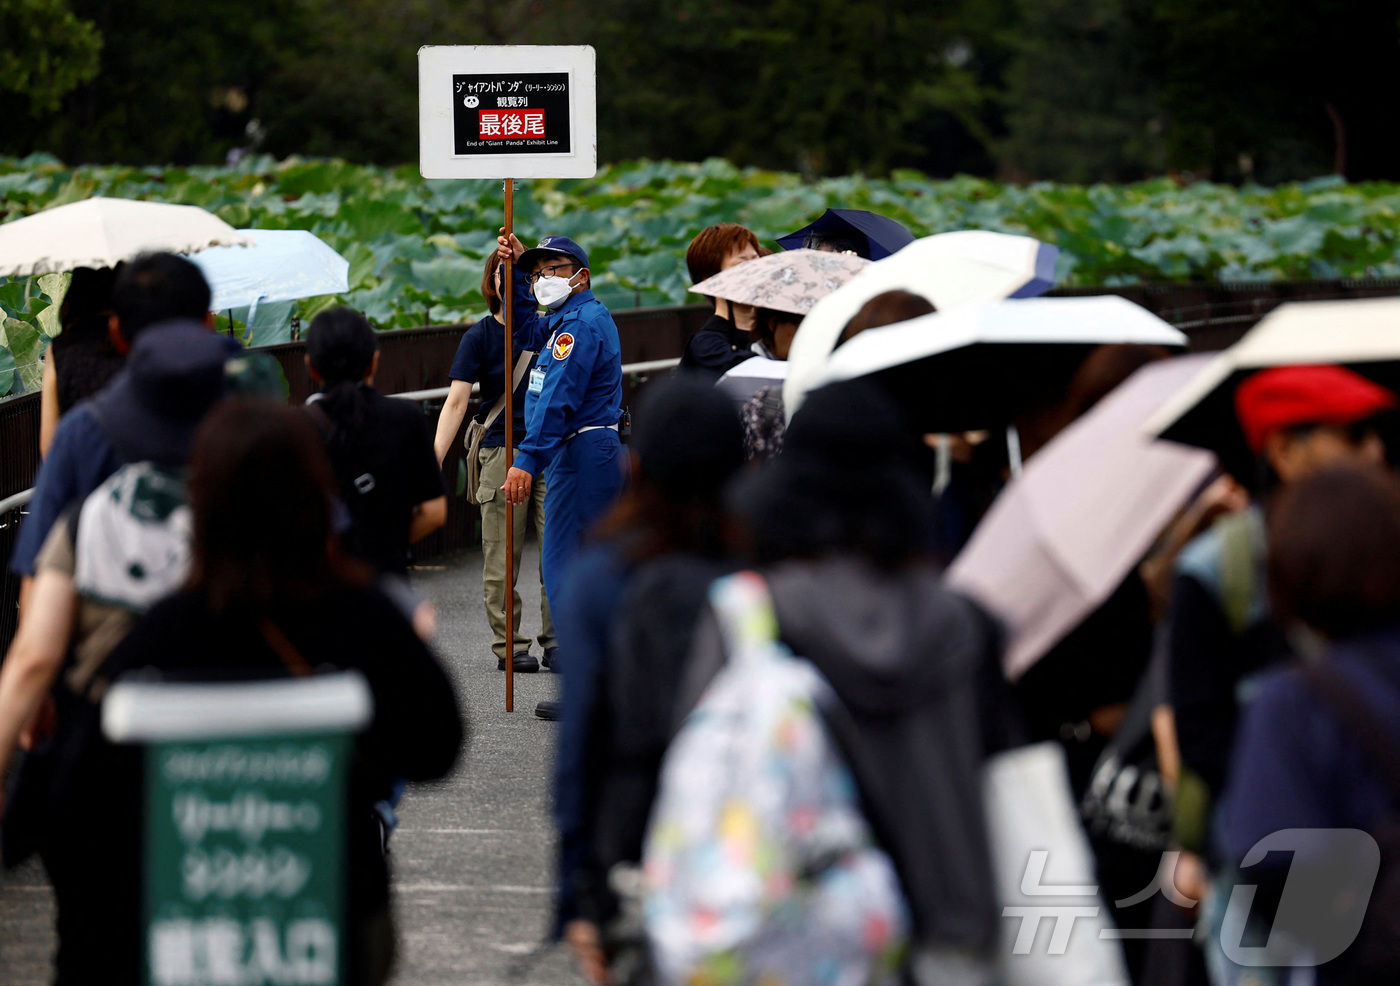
1053,920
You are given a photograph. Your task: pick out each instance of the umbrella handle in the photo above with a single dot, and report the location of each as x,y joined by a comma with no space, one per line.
943,464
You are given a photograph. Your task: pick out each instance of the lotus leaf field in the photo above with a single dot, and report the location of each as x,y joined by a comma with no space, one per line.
416,247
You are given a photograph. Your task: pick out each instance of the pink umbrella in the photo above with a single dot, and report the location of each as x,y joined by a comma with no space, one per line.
1088,506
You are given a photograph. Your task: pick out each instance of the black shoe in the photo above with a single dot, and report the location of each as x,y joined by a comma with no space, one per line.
548,710
524,663
550,656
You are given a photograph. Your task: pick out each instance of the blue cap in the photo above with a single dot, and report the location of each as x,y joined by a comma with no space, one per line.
553,244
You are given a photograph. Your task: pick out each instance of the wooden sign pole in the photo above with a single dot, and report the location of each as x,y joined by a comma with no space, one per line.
508,366
526,110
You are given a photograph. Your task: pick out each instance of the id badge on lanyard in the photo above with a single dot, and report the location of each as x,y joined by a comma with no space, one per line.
537,371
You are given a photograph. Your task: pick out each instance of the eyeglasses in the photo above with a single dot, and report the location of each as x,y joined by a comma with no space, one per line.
547,272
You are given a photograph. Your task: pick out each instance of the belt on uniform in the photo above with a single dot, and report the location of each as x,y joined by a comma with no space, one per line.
574,434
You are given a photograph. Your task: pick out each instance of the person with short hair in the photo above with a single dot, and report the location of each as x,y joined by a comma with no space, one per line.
152,289
922,702
723,341
1303,758
1298,420
630,605
573,403
106,558
379,447
481,359
269,595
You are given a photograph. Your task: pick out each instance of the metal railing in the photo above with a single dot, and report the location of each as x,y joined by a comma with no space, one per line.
437,393
628,370
1213,314
460,531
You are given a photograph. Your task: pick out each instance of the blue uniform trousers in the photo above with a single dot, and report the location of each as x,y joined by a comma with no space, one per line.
581,484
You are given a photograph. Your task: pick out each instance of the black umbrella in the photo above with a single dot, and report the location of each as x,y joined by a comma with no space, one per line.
881,236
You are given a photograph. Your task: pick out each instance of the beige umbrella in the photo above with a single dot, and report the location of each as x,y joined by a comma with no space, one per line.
792,281
1362,334
1065,533
100,232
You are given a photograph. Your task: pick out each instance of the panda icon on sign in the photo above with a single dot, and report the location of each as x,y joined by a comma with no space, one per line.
471,102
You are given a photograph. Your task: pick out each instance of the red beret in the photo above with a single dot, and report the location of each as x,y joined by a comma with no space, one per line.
1290,396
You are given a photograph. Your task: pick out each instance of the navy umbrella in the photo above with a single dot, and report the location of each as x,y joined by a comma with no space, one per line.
882,236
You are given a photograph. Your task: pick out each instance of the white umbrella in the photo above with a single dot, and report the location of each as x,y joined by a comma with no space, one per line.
792,281
1362,334
100,232
949,269
280,265
966,368
1062,536
749,377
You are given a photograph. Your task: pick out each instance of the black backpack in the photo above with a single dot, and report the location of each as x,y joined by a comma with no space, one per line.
1374,958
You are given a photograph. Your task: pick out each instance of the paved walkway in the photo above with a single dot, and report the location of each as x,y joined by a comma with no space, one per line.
473,856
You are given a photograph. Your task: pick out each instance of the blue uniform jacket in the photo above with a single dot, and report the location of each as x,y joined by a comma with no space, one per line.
580,361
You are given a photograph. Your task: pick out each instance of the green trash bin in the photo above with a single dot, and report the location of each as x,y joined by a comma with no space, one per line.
245,820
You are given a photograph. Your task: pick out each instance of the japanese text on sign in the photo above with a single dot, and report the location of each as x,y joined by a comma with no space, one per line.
511,114
498,124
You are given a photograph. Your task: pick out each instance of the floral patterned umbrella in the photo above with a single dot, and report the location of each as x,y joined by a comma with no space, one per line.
792,281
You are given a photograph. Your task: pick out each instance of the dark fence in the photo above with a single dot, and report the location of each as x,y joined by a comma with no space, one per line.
1213,315
19,461
19,443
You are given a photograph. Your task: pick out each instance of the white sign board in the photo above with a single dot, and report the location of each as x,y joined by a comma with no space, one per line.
507,111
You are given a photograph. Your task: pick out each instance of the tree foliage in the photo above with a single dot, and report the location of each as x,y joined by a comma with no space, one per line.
46,51
1079,90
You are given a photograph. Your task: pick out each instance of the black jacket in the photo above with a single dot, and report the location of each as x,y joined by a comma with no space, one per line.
719,346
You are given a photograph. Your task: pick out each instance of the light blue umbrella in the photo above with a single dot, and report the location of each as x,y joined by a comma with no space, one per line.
282,265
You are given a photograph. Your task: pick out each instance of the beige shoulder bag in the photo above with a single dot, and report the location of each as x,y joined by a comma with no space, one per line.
476,430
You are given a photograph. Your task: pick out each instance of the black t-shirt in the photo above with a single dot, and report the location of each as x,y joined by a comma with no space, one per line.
386,468
719,346
1208,661
479,359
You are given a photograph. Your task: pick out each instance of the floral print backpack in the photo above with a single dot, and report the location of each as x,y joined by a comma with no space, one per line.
759,865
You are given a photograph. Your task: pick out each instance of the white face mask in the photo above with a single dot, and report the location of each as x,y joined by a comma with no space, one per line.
551,291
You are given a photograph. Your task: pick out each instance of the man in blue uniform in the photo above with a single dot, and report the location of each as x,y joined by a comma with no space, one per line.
573,403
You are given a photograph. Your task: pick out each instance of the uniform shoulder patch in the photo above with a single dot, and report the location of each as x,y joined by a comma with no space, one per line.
563,345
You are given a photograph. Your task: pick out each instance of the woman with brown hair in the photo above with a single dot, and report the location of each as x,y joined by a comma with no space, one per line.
1317,747
269,591
480,360
723,341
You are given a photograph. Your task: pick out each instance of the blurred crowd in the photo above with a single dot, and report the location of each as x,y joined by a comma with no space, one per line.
792,747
